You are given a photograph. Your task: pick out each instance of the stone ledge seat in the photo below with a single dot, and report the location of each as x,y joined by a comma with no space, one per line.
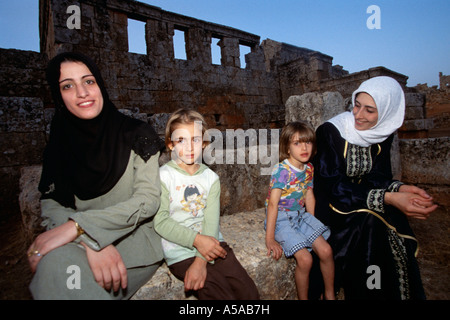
244,233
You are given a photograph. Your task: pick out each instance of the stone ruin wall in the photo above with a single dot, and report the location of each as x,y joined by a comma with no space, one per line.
153,85
228,95
426,140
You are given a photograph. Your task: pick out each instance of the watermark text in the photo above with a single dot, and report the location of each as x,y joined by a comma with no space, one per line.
74,21
374,21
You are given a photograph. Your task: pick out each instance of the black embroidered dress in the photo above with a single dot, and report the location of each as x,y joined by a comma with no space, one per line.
350,183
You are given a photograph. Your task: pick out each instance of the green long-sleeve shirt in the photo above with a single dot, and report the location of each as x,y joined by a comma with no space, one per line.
190,204
122,217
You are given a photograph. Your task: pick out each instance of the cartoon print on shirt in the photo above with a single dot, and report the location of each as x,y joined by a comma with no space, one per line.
193,200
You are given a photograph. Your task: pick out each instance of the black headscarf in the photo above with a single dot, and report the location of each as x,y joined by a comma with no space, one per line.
87,158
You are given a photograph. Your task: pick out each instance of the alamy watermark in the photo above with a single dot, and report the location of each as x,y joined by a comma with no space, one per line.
374,280
234,146
74,280
235,153
374,21
74,21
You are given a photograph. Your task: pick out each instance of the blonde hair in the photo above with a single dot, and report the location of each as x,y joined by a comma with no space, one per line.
184,116
305,132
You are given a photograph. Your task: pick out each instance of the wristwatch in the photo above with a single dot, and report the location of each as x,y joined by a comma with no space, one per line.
80,230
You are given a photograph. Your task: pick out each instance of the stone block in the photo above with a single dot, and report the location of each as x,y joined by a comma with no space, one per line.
21,148
417,125
134,114
414,113
158,121
29,201
414,99
313,107
21,114
426,161
242,186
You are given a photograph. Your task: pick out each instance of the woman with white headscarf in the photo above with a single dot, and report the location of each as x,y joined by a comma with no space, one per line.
373,244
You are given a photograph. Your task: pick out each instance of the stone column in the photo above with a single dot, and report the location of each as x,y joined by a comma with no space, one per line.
159,39
198,46
230,52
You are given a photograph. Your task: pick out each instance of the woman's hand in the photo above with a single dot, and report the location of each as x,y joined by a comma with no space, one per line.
412,201
108,267
50,240
413,189
195,275
274,248
209,247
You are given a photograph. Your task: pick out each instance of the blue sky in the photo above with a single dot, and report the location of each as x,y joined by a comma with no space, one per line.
414,38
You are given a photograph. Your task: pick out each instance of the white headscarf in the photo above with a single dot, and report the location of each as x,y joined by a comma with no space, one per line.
390,102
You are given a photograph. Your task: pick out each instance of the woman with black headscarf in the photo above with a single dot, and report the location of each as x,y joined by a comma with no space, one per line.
100,190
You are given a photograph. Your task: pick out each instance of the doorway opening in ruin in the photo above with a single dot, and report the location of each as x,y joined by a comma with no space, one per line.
136,37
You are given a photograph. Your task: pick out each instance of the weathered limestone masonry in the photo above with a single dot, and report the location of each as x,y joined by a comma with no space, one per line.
425,140
228,95
22,120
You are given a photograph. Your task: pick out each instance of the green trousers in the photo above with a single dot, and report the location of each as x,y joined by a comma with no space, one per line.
65,274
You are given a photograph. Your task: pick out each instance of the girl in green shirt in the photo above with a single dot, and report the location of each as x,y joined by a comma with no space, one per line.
188,218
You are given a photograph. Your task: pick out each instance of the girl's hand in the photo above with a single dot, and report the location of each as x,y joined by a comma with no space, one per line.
50,240
195,275
209,247
108,267
274,248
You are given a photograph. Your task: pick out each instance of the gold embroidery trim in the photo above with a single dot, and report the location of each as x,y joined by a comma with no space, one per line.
382,220
345,149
